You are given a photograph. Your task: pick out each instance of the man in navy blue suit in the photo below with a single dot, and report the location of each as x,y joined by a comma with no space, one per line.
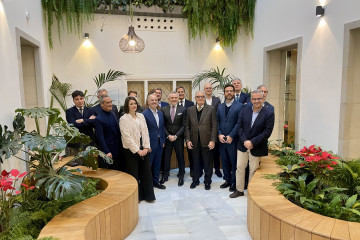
155,124
158,92
228,114
265,92
182,101
107,133
97,108
255,126
242,97
213,101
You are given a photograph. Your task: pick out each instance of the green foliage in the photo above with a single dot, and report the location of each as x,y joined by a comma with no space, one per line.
217,78
223,18
34,213
60,91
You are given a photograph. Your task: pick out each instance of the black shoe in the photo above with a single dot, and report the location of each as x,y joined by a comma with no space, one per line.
232,187
164,180
159,186
194,184
218,173
181,182
225,184
236,194
207,186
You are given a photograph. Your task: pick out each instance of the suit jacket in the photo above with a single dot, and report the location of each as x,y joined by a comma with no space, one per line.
131,132
227,125
163,104
214,102
188,103
178,126
73,114
154,131
206,128
107,133
266,104
259,133
244,98
97,110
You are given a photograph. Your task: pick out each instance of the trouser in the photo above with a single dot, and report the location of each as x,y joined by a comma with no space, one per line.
155,161
178,146
242,160
216,154
228,160
202,154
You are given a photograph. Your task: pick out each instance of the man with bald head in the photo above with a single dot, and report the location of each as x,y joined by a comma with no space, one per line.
213,101
97,108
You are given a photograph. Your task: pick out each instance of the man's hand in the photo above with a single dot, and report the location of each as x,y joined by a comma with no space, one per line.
211,145
229,139
172,138
79,120
189,145
92,117
109,155
221,138
248,144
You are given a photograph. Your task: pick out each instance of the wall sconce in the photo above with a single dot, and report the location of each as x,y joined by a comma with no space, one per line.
86,36
320,11
217,44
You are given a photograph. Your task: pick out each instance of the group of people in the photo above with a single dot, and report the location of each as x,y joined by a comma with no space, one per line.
140,140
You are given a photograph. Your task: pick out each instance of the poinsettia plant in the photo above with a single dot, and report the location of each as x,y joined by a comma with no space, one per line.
9,192
318,161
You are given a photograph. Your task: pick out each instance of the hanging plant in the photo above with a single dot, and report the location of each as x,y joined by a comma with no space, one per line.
72,13
223,18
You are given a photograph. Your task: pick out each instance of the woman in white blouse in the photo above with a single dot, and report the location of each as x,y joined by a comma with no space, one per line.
136,143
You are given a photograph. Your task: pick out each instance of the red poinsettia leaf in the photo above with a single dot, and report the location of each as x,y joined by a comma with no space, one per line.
17,192
4,173
22,174
24,185
14,172
32,187
329,167
334,163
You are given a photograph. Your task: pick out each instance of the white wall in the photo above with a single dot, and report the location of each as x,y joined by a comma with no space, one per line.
322,58
12,15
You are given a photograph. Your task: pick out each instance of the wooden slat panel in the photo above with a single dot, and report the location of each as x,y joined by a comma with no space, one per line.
287,232
264,225
340,230
274,228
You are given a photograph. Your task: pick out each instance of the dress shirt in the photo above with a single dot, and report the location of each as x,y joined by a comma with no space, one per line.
81,110
156,115
199,108
182,102
254,116
209,101
230,103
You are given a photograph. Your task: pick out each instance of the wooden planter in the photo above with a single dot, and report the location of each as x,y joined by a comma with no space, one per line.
112,214
271,216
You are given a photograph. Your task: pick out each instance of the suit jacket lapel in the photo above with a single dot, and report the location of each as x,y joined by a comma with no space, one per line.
153,117
257,118
204,111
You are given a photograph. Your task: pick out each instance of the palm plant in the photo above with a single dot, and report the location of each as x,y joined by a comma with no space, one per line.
60,91
217,78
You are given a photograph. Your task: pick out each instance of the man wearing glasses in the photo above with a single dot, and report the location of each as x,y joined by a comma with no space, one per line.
255,126
265,92
200,136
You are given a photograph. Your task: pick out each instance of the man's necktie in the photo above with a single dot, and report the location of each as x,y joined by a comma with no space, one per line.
199,108
181,103
172,114
237,97
81,111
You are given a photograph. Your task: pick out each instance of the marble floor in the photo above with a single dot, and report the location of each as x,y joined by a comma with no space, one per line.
184,213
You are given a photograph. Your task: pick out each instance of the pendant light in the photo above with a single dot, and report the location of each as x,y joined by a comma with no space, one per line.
131,43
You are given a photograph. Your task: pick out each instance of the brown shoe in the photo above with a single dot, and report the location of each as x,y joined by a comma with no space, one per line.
236,194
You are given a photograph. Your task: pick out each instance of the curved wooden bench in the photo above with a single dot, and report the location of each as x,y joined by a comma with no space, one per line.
112,214
271,216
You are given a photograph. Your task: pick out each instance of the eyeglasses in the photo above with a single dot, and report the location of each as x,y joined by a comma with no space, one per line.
256,99
265,91
200,96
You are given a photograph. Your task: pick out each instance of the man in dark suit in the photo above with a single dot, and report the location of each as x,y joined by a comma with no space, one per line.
241,97
174,121
265,91
81,116
155,124
97,108
228,114
182,101
255,126
107,133
200,136
213,101
158,92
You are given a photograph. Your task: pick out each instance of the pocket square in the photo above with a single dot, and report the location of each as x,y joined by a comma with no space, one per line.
179,114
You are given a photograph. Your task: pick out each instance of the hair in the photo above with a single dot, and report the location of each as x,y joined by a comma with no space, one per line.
257,91
152,91
127,101
237,79
173,92
180,87
229,85
102,98
100,91
77,93
147,99
132,91
262,85
158,89
200,91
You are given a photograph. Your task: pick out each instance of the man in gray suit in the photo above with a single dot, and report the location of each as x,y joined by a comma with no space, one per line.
213,101
200,136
